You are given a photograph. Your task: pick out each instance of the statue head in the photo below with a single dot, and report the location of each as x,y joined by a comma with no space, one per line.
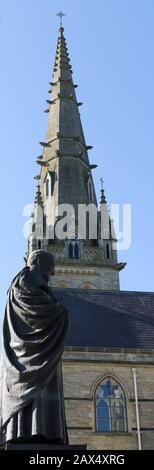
42,261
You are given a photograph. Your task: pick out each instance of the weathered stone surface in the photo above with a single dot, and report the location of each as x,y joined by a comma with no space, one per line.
82,375
65,155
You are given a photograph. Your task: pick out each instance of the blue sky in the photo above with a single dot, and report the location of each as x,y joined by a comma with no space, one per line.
111,45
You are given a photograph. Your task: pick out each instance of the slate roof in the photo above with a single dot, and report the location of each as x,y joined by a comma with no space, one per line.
110,319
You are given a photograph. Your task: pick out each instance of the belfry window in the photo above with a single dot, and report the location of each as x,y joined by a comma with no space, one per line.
49,183
76,250
110,406
107,251
73,249
39,244
47,188
90,192
70,250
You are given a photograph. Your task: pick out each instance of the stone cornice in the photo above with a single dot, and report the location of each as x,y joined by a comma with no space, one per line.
91,268
105,355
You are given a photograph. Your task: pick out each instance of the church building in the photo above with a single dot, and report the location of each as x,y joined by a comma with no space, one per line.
108,361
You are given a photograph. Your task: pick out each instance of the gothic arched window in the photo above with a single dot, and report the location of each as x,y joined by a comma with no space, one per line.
107,251
110,406
90,192
47,188
39,244
70,250
73,249
76,250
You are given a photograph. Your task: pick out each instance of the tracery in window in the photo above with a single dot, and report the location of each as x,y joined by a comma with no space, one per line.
110,406
73,249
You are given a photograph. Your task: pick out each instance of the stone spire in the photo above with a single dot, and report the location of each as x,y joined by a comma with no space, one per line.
65,151
66,178
64,134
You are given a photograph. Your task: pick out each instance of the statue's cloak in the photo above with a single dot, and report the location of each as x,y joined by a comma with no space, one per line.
34,331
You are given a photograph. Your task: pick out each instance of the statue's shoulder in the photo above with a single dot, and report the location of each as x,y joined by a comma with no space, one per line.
16,279
29,279
32,279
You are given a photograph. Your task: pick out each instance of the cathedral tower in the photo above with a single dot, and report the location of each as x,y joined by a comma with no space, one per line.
82,242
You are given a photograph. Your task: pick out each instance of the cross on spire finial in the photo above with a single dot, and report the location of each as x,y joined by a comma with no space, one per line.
61,14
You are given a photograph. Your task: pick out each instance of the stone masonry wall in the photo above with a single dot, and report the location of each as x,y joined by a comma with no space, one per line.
80,379
105,279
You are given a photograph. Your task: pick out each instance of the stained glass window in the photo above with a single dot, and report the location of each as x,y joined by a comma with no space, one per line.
110,407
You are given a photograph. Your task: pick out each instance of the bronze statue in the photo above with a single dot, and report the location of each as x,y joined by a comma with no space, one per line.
34,332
